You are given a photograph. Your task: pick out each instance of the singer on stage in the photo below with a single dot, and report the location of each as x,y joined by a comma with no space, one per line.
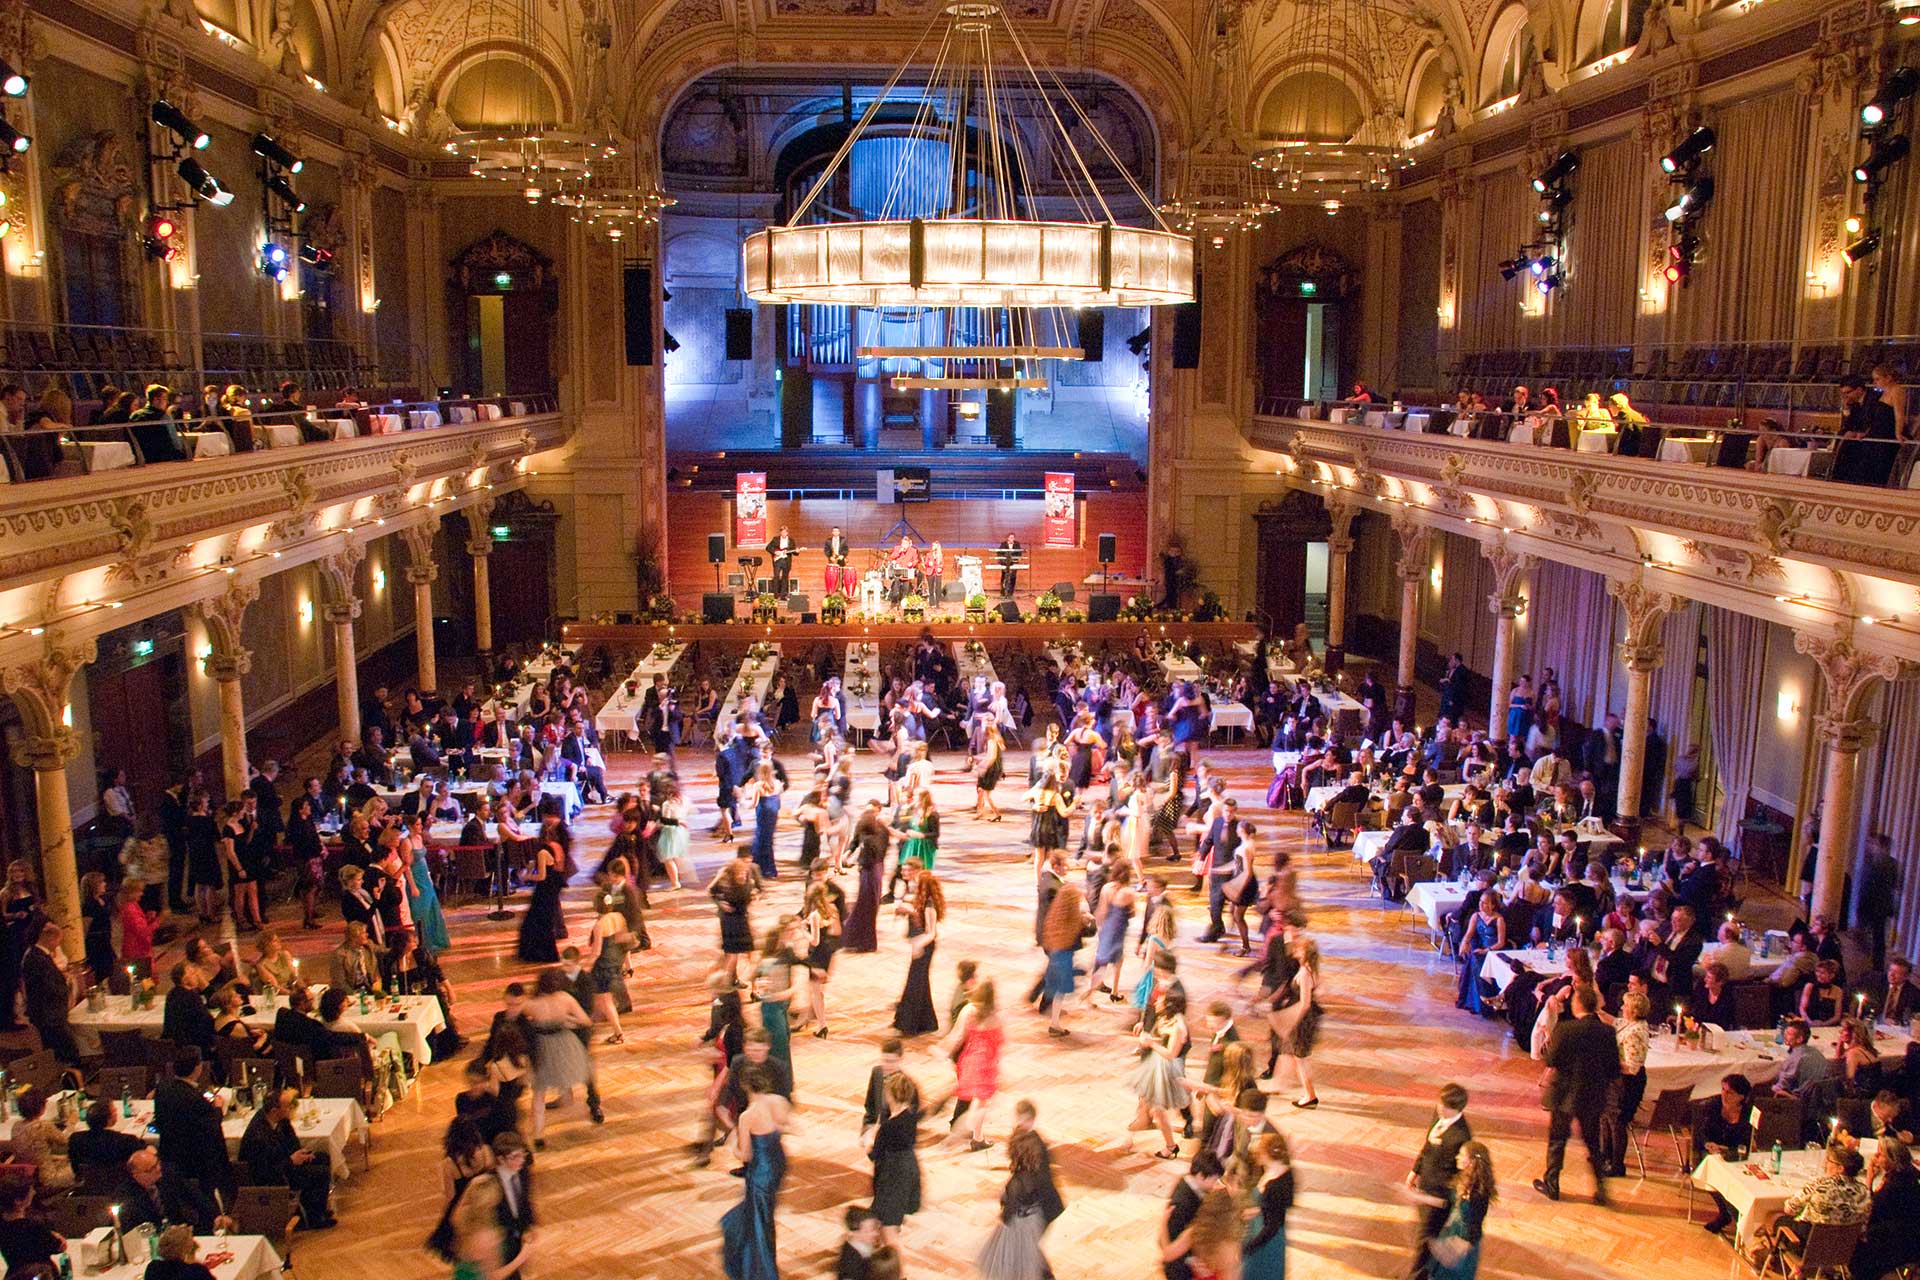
1008,554
782,550
933,562
902,567
838,579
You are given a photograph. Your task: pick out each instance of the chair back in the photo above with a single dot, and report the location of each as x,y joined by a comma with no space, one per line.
1855,1116
124,1048
1752,1005
160,1054
338,1078
1829,1246
75,1215
111,1082
1340,817
40,1070
1672,1109
247,1070
264,1211
1780,1120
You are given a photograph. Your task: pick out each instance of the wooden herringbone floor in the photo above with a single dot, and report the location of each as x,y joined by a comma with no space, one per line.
622,1199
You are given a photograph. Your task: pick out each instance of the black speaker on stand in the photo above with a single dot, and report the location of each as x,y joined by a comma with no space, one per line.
1109,552
739,333
717,556
1186,335
1103,608
639,314
716,607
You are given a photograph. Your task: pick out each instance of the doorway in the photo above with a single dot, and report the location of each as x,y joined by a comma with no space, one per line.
1300,312
503,298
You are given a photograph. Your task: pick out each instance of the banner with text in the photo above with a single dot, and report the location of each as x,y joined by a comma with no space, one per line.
1059,511
750,509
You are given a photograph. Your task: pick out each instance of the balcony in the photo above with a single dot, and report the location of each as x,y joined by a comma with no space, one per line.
1796,549
88,552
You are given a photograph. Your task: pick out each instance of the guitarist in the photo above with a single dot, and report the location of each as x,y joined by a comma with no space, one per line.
782,550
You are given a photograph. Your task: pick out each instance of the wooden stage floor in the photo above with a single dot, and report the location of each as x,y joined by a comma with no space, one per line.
621,1200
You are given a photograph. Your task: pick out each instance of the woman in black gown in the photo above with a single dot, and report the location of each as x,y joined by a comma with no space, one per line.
924,906
860,933
896,1169
543,926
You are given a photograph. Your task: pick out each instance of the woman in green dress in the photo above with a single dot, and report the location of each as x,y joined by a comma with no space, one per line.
1456,1250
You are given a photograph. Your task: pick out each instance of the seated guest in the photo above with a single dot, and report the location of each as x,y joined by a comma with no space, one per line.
1823,1001
1467,856
1559,922
185,1020
1411,836
1354,793
98,1153
1724,1128
1713,998
1805,1066
1615,963
1837,1196
176,1256
1890,1115
1730,953
1890,1242
1670,968
296,1026
24,1240
1797,968
354,965
37,1142
272,1153
229,1020
155,1192
1893,994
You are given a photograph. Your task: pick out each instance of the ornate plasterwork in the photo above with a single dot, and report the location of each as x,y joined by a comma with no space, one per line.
1641,648
1849,674
41,689
1735,564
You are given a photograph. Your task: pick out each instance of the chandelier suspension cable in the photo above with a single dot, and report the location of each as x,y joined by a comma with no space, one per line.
846,144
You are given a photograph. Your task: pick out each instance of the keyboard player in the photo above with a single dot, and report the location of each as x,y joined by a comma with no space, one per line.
1008,554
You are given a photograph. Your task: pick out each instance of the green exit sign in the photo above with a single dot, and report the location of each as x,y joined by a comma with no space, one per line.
501,532
503,280
143,648
1308,288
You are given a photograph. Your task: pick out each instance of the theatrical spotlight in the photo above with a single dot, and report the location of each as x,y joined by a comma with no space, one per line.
272,152
12,83
668,342
1543,264
158,240
1548,283
12,139
1884,152
1863,247
171,118
1692,200
1697,144
1554,174
1508,270
279,185
1896,89
202,183
314,256
273,260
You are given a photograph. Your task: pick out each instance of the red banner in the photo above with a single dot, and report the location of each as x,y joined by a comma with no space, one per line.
1059,512
750,509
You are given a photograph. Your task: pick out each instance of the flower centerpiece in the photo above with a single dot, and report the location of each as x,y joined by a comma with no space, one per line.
660,608
1048,606
834,608
765,606
977,607
914,606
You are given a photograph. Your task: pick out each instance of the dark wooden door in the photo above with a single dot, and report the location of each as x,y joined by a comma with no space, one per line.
130,730
527,324
520,581
1285,528
1283,347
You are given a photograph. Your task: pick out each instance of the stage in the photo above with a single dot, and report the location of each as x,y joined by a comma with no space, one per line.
948,627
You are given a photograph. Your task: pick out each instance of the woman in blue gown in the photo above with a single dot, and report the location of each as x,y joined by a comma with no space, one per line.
1264,1249
746,1231
764,792
1486,932
1456,1250
424,898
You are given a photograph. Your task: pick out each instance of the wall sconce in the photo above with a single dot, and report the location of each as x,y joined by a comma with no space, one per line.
204,652
1433,577
306,613
1787,705
379,579
66,715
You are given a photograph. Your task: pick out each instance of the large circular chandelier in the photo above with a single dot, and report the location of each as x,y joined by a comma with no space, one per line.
983,242
1320,153
1219,195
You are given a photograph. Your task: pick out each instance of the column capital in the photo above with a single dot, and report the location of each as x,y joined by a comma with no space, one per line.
223,615
1338,546
1837,733
337,582
1341,513
418,539
479,537
1646,609
228,665
1642,656
42,689
1413,546
341,611
1510,569
1849,675
47,753
480,544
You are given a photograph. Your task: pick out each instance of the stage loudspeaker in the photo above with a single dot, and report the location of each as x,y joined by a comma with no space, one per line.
639,286
716,548
1093,336
739,333
1109,551
623,619
1186,336
796,407
797,603
951,591
808,619
1065,591
716,607
1009,611
763,586
1103,608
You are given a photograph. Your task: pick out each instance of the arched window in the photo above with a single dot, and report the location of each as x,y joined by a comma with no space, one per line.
1621,27
1513,66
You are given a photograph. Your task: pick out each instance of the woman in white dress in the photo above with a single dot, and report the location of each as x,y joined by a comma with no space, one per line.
560,1058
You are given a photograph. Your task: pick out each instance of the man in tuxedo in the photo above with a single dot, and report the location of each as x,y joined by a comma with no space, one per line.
574,750
1583,1060
189,1126
49,995
1411,836
1600,755
152,1193
274,1158
1894,992
295,1025
781,551
838,581
184,1018
1182,1207
1008,555
1453,689
1879,892
1559,922
1434,1168
1868,438
515,1213
1671,966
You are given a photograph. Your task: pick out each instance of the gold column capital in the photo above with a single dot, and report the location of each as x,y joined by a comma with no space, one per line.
42,689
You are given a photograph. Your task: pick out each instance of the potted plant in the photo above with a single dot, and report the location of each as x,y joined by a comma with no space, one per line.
834,608
660,608
765,607
977,607
1048,606
914,606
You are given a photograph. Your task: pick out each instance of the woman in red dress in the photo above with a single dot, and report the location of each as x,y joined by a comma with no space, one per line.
974,1045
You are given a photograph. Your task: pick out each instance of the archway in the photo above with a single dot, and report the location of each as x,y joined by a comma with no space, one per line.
1300,314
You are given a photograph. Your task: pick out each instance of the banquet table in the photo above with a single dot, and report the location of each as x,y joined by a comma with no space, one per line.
394,795
228,1257
972,664
276,435
618,713
448,833
752,681
1755,1192
321,1124
1417,423
1437,899
863,709
1786,461
1523,432
423,419
409,1019
1333,702
1228,714
1596,440
340,428
1180,667
1318,797
102,455
1686,449
569,793
543,664
208,444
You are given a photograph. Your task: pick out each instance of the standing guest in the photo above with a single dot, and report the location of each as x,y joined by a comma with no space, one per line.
1159,1081
1634,1037
272,1153
1028,1205
513,1208
1455,1250
464,1156
747,1229
543,925
870,839
896,1169
1879,893
1296,1015
732,892
763,793
1111,917
1583,1060
188,1126
309,856
1264,1251
1869,440
21,914
824,904
612,940
1176,1223
1434,1169
774,982
560,1061
924,908
48,993
1062,928
863,1229
974,1046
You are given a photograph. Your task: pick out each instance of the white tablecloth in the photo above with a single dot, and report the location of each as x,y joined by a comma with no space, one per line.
752,681
1520,433
208,444
461,413
276,435
321,1124
1686,449
863,709
104,455
386,424
1334,703
340,428
448,833
239,1258
423,419
972,664
417,1018
1434,899
1789,462
1596,440
1179,667
617,715
1417,422
543,664
1755,1192
1228,714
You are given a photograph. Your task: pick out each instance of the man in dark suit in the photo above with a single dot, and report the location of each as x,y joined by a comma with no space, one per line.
1868,439
99,1152
1879,892
185,1019
1559,921
1182,1207
1894,993
189,1126
49,995
1411,836
593,779
1453,689
154,1193
516,1201
295,1025
1434,1168
781,551
1583,1060
1006,555
274,1158
1600,756
1671,966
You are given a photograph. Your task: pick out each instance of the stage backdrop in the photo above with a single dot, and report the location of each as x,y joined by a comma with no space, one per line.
1059,509
958,524
750,509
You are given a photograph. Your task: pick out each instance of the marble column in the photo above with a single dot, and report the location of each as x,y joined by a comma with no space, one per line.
338,586
1641,653
480,547
421,572
41,690
1848,675
1411,569
1507,602
1339,546
226,662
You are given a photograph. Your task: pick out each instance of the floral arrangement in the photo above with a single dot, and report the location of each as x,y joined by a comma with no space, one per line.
834,607
661,608
1049,602
977,602
915,603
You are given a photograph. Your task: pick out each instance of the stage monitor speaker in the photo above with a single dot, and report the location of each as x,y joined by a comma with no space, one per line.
1109,550
639,289
1103,608
623,619
1093,336
763,586
952,591
1186,336
1009,611
716,548
808,619
739,333
716,606
797,603
1065,591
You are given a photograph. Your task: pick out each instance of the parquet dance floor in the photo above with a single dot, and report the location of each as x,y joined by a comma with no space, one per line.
623,1199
